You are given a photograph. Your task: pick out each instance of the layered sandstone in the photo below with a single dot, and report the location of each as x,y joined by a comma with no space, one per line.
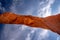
51,22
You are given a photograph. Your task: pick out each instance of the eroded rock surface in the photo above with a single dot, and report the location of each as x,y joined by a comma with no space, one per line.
51,22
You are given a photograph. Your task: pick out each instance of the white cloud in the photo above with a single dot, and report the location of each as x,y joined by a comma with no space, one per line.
45,8
58,38
28,37
44,33
59,9
23,27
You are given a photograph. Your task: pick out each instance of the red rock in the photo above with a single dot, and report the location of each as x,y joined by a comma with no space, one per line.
52,22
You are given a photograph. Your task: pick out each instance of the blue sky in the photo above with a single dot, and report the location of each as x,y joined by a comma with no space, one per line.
55,6
40,8
35,7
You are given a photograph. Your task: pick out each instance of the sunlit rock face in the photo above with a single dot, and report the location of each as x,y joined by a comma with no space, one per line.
51,22
54,22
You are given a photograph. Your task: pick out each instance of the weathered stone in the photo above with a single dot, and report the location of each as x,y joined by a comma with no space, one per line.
51,22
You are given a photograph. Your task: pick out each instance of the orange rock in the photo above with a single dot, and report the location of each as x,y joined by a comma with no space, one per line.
51,22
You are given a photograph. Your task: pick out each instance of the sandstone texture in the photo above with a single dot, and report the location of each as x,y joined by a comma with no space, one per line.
51,22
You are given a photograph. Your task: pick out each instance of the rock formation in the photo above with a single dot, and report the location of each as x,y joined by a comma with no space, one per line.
51,22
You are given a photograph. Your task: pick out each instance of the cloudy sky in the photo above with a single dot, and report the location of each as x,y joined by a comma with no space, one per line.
40,8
